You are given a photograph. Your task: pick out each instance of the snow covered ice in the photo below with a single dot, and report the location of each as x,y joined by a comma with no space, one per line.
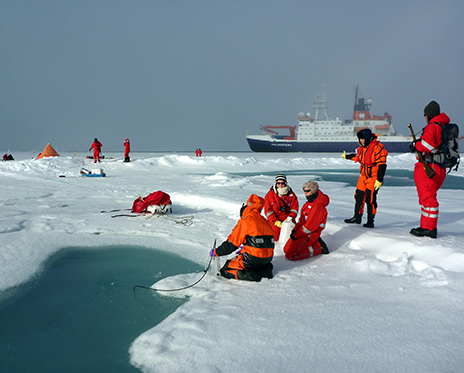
382,301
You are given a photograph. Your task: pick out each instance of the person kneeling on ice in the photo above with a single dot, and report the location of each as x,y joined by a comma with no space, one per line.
280,204
305,239
253,261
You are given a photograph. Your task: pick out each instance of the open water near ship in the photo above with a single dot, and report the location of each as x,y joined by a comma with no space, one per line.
393,178
80,314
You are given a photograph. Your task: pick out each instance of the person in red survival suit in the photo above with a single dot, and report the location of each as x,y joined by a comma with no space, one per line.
372,158
280,203
126,150
96,146
305,239
253,261
8,157
427,188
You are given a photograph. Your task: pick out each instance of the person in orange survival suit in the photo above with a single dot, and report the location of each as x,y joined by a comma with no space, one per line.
305,239
280,203
427,188
372,158
126,150
96,146
253,261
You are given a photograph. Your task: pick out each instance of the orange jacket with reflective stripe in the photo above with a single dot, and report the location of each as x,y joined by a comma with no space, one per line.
254,232
369,167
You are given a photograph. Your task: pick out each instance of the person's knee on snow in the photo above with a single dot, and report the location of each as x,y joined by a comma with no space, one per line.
304,240
255,237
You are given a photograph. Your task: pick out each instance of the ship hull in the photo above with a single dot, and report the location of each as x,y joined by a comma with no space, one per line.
293,146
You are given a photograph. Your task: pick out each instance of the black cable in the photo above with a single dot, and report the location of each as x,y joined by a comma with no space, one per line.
186,287
115,210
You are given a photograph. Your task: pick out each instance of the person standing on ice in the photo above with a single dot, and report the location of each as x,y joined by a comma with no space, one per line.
427,188
96,146
305,240
280,203
372,158
253,261
126,150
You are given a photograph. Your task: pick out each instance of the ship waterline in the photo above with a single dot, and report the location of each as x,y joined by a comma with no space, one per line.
258,143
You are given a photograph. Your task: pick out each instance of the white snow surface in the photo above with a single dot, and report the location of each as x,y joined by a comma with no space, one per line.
382,301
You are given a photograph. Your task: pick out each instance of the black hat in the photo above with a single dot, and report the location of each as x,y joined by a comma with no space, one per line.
432,109
281,177
365,134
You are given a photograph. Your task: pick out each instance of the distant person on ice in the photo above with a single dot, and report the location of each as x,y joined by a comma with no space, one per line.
280,203
427,188
253,261
305,240
96,146
126,150
8,157
372,158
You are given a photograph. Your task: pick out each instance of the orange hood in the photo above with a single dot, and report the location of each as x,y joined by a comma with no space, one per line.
254,204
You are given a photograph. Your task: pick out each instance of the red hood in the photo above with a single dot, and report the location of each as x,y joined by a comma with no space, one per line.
323,199
440,118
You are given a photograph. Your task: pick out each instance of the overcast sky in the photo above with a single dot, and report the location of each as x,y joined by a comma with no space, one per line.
178,75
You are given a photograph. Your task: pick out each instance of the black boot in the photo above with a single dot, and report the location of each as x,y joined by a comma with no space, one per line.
355,219
370,222
325,249
359,202
422,232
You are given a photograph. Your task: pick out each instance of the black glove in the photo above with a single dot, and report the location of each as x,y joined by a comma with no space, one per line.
412,146
292,236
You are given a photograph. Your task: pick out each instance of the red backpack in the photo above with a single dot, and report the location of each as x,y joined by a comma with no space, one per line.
156,202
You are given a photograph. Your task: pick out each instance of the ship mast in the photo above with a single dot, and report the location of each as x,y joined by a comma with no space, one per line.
320,104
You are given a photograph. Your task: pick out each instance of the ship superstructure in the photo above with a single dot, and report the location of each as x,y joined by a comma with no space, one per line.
322,134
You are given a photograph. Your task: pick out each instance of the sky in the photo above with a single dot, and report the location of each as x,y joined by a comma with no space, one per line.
181,75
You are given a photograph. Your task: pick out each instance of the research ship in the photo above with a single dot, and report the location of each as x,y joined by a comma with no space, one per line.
322,134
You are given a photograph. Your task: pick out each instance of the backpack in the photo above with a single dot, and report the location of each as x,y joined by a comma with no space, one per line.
447,155
156,203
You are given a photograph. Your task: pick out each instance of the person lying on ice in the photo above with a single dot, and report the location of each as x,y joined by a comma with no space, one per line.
253,261
305,239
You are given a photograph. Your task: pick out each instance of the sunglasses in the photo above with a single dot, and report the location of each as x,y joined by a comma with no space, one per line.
306,190
280,183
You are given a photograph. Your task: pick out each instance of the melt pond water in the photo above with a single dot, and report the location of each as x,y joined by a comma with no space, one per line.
81,314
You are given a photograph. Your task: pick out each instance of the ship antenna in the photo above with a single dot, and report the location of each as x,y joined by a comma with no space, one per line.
320,103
